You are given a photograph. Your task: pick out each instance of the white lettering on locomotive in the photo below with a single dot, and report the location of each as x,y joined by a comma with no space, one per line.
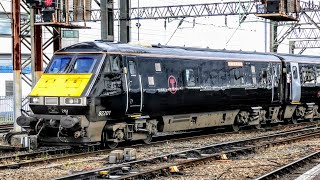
104,113
65,111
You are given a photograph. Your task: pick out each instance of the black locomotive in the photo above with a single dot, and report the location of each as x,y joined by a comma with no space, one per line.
100,92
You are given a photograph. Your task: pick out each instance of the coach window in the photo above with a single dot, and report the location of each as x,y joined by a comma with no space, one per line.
263,76
295,72
237,76
132,68
190,78
318,75
308,76
253,72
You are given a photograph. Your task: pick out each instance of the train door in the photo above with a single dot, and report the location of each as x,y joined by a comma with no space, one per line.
295,89
134,86
275,79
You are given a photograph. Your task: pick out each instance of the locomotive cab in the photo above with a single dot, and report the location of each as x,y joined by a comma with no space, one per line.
78,94
61,98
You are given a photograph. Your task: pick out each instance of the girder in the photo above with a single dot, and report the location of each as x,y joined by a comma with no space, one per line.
304,33
306,44
194,10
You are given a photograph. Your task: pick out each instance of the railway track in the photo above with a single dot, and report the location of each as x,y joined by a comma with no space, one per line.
5,127
289,168
162,165
41,156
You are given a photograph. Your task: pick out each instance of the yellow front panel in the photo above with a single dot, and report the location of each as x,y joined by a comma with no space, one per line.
61,85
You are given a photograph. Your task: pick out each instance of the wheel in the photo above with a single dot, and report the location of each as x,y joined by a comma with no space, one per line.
105,143
311,120
286,121
148,139
294,120
257,126
111,145
235,127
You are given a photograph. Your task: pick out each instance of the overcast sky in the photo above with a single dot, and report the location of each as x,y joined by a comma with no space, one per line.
214,32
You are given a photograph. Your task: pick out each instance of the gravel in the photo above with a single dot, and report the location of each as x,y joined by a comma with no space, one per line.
251,166
241,167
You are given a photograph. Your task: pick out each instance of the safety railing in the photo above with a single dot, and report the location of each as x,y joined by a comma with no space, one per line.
7,106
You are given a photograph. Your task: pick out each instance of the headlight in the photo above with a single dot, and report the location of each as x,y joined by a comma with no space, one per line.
73,101
36,100
51,101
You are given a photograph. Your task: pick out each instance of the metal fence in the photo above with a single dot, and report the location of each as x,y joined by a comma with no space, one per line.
7,108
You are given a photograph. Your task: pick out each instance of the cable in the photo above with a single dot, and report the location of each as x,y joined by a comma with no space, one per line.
232,35
181,21
5,10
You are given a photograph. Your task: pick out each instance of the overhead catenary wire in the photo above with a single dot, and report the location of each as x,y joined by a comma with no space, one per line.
181,21
4,10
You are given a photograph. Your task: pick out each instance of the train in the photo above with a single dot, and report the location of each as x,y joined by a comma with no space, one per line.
105,93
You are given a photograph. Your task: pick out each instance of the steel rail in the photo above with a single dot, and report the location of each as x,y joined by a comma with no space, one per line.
205,152
30,155
25,158
6,125
289,167
154,172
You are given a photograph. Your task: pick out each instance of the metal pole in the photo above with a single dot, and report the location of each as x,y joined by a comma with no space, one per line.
124,21
110,21
16,58
273,36
107,28
104,19
138,23
36,48
291,47
265,35
57,31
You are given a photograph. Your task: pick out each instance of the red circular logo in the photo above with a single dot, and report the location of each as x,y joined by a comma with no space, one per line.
48,2
172,84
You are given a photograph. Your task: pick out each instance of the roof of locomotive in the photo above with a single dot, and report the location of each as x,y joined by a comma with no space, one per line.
102,46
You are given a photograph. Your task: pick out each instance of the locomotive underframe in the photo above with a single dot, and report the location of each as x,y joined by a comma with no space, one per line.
87,132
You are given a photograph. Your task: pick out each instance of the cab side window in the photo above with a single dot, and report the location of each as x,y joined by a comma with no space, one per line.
295,72
112,64
115,64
